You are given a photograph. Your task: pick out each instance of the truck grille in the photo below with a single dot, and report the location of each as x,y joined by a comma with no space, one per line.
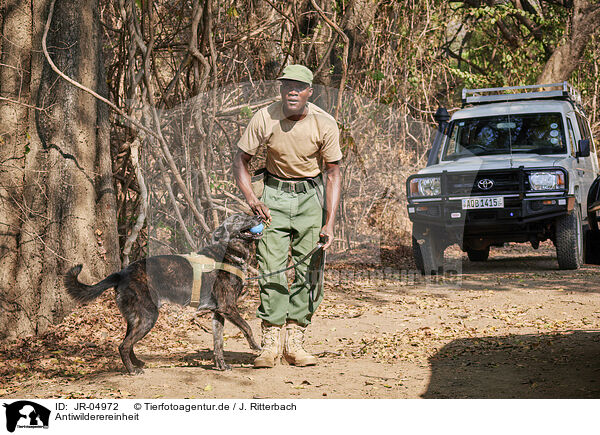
469,183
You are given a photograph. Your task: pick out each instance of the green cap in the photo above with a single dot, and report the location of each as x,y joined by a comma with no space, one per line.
297,72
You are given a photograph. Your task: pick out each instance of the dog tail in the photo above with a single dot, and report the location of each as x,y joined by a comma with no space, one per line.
86,293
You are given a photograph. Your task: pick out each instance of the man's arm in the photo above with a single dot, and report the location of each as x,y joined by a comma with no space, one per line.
244,182
334,191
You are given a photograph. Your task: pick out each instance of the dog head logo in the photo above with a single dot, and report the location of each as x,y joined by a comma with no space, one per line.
26,414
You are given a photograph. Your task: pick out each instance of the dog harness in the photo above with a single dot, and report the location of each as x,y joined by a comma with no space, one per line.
201,264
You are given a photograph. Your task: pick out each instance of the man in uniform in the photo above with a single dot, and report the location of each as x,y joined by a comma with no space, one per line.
302,140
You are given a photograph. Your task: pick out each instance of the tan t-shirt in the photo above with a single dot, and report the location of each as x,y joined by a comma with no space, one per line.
295,149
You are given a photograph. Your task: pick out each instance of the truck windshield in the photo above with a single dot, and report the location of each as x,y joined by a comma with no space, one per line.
539,133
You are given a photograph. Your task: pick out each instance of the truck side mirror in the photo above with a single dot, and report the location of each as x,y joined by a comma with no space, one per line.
584,148
441,117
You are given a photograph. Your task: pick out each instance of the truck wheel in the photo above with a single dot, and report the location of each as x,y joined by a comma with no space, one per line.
417,255
593,196
478,254
592,247
569,240
429,254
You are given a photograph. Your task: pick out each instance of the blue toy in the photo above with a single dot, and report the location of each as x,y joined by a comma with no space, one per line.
257,229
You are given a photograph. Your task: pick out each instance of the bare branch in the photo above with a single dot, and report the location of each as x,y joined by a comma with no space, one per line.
79,85
143,203
346,41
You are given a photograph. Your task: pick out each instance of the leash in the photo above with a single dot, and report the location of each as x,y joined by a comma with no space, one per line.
318,285
302,260
313,183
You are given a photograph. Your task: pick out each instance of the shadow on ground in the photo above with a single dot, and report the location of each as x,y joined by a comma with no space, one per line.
200,358
552,366
518,263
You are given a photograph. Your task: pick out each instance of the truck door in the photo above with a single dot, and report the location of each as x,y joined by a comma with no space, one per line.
579,180
585,133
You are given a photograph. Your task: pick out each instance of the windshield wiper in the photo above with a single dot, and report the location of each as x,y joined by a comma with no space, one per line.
539,150
457,156
484,153
491,152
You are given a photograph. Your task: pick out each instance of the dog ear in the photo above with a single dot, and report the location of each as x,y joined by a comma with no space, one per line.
219,235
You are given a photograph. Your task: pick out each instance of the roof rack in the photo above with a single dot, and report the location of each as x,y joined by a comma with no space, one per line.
494,95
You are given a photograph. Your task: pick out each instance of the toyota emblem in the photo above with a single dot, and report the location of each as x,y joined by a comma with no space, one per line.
485,184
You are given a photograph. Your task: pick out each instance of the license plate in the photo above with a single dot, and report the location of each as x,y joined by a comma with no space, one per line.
483,202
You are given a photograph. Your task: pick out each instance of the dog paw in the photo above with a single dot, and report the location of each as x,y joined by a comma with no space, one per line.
136,371
222,367
256,347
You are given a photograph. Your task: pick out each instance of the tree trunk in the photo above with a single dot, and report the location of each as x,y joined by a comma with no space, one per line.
358,18
57,205
269,55
585,18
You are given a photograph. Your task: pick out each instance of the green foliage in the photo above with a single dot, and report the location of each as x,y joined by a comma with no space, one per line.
423,52
217,184
246,112
27,148
586,78
377,75
232,12
505,45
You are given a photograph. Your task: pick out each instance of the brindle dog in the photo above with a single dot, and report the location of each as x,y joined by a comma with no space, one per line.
144,285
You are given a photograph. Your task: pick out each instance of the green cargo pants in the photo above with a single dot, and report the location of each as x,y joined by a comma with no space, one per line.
297,219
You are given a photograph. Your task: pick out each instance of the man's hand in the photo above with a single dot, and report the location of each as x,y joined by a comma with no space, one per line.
334,189
260,209
327,234
244,182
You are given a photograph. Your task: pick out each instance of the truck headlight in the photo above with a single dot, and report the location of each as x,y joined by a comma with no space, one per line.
547,180
425,186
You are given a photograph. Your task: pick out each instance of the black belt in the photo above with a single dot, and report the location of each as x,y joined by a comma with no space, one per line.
299,186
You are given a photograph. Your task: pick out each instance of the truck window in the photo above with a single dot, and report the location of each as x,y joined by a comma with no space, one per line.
571,138
584,129
585,134
539,133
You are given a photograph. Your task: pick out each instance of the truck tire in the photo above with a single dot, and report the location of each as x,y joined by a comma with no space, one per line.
417,255
593,196
592,247
429,254
569,241
478,254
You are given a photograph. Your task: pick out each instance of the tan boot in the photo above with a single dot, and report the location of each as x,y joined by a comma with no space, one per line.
271,346
292,350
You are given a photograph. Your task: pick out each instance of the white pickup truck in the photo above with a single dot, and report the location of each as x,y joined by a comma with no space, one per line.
518,164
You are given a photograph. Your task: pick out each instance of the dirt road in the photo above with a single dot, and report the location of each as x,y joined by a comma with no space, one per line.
512,327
